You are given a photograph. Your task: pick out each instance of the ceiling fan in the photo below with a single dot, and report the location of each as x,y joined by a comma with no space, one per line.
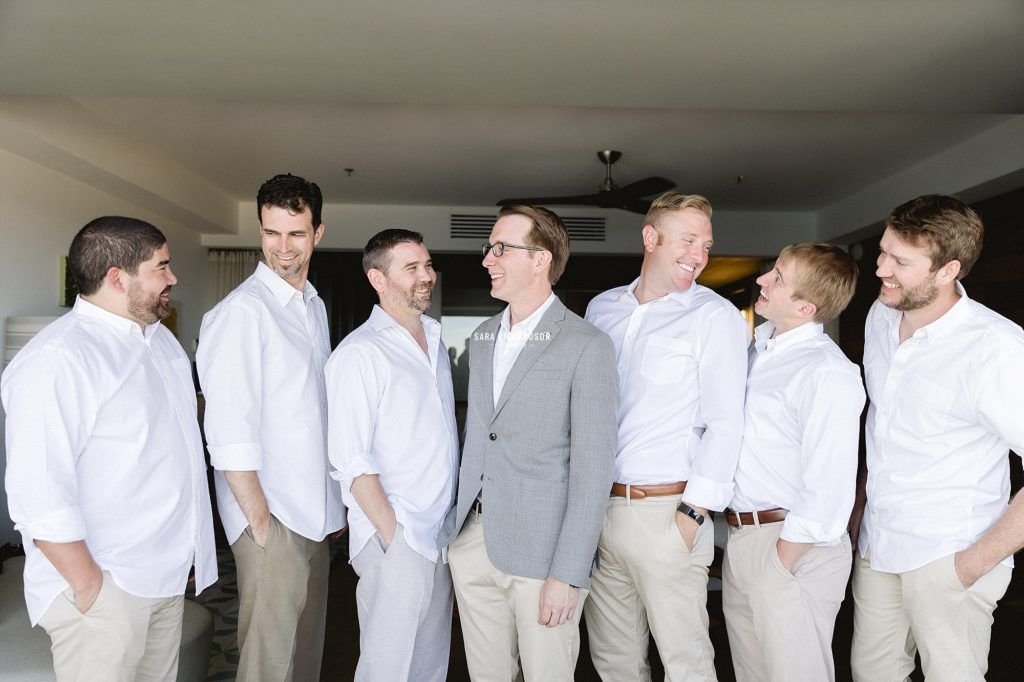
609,195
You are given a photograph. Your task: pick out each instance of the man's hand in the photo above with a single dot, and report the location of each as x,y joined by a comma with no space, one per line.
969,566
791,552
688,527
557,602
245,486
75,564
87,591
387,533
260,526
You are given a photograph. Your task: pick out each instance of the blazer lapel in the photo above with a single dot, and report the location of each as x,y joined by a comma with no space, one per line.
481,360
543,334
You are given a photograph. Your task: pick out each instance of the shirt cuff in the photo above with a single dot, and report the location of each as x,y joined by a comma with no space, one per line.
800,529
62,525
707,494
353,470
236,457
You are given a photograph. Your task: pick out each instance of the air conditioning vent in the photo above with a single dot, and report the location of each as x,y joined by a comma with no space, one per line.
478,227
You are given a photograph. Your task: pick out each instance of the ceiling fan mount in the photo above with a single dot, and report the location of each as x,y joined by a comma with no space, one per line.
609,194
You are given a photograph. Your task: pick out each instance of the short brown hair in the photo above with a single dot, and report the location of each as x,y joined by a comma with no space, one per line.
676,201
377,252
948,227
826,276
547,232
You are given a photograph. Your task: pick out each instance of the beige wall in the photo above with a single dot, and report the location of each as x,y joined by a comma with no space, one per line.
40,212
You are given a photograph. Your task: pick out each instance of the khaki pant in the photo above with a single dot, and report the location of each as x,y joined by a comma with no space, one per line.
927,610
405,613
282,590
121,638
780,622
649,581
499,614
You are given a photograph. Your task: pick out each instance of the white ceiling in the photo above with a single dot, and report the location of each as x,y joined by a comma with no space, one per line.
463,102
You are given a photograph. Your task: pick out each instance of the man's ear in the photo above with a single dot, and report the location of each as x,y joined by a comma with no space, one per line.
650,237
115,279
377,280
318,234
541,260
807,310
948,272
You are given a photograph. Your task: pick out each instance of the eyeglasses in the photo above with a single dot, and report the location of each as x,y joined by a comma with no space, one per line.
498,248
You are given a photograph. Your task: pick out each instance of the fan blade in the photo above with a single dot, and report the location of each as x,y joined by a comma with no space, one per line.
645,187
641,206
578,200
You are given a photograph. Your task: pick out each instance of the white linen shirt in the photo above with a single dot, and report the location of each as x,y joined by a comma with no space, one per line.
946,407
103,446
682,365
392,413
511,341
261,358
801,429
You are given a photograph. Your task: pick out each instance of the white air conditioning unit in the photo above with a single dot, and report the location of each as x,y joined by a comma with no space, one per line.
18,331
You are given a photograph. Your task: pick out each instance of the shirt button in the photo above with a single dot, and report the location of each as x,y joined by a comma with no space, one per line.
493,436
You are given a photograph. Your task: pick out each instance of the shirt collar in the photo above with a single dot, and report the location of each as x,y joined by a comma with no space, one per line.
940,327
380,319
282,291
123,324
763,339
682,297
530,322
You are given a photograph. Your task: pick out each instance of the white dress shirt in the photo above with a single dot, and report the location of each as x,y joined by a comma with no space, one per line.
682,366
801,428
946,407
511,341
261,358
392,413
103,446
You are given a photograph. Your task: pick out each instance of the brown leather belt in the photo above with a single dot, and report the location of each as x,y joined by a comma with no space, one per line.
639,492
741,519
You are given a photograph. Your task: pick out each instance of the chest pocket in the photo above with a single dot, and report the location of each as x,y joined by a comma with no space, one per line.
667,360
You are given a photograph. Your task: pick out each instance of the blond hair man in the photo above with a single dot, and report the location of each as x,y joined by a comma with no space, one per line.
788,556
681,361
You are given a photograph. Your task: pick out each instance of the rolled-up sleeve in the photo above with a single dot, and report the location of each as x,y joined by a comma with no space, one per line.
355,385
51,406
230,372
722,380
830,422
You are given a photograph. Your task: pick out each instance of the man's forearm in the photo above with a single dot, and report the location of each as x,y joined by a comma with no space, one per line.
245,486
999,542
374,502
75,564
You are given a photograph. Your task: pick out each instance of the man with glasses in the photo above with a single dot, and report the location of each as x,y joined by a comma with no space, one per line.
537,463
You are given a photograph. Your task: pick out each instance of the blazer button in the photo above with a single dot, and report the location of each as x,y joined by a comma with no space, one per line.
493,436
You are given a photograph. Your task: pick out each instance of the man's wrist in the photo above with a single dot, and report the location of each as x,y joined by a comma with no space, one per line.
696,513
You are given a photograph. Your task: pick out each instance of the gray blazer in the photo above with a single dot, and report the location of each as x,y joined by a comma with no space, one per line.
543,455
